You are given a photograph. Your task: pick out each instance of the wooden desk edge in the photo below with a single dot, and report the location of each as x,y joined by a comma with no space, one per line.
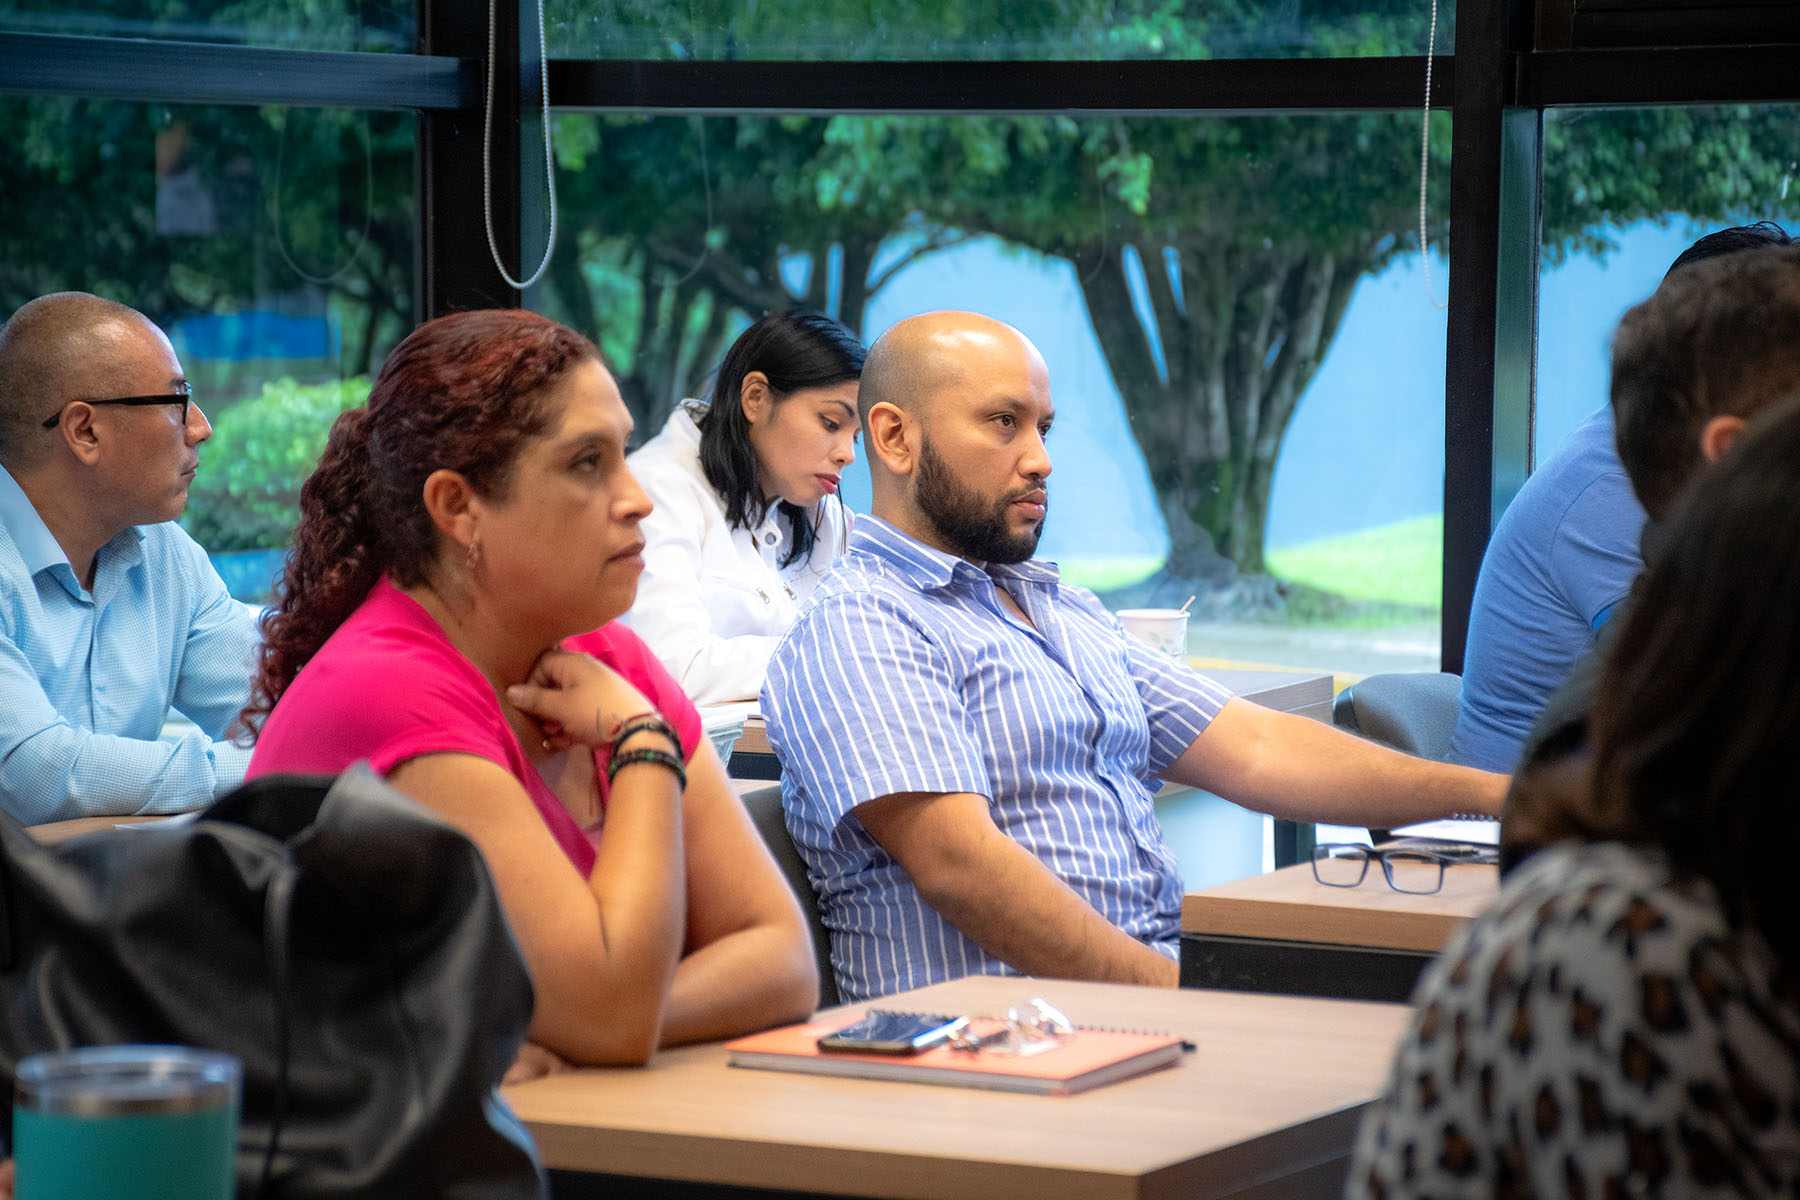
1304,1159
1285,921
53,832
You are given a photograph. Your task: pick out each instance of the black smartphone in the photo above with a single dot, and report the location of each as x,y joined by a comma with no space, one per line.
882,1032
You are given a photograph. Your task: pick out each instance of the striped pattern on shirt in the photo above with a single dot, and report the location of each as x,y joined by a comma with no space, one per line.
905,674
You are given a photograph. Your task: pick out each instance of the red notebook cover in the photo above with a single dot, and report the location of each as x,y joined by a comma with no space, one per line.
1088,1059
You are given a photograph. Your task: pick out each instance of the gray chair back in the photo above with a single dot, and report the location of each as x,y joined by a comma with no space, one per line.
1414,711
764,805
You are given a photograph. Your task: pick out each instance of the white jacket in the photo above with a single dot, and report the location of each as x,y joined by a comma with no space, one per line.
712,603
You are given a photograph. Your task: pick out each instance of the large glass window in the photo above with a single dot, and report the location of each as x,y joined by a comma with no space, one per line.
295,24
275,246
1625,192
1247,367
1008,30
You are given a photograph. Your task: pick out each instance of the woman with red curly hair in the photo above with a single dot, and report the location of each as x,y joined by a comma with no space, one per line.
447,613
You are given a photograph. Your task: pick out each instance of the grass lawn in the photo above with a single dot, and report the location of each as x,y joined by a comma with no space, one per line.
1402,563
1398,564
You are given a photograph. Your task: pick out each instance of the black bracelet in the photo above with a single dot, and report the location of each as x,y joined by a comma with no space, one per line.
661,758
645,723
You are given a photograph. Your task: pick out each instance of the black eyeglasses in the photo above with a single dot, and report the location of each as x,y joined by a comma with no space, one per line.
1407,869
183,398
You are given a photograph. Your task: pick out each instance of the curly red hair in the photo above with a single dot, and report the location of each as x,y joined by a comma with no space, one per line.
463,392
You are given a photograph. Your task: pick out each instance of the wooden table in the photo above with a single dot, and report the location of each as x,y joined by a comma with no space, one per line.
58,831
1286,932
1266,1107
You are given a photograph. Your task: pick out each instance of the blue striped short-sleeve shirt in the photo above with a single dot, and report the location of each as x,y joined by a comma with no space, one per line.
905,674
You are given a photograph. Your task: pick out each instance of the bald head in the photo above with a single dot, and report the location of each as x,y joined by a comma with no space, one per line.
58,348
956,407
922,357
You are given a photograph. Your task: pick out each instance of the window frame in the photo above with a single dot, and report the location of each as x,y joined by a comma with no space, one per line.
1510,63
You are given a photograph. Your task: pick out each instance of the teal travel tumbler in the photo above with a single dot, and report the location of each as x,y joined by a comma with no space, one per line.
118,1122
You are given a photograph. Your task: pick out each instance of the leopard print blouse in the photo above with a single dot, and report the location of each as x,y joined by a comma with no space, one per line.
1599,1033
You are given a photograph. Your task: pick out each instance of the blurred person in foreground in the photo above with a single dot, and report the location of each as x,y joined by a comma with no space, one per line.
1715,344
1625,1020
747,517
110,614
449,614
970,747
1561,559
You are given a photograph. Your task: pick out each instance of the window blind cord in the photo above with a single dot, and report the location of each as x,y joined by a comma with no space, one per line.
1425,159
706,183
362,239
487,150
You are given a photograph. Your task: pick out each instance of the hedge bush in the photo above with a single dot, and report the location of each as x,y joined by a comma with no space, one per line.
246,495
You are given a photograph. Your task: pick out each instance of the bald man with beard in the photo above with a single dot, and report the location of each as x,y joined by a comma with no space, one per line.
110,614
970,747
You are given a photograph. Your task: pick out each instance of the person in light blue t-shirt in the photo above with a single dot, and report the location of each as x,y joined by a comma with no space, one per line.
110,615
1562,558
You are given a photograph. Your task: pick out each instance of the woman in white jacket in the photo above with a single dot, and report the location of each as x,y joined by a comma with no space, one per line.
747,516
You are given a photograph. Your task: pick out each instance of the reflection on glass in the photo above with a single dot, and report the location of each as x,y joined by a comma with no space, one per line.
275,246
1625,192
1005,30
1193,284
379,25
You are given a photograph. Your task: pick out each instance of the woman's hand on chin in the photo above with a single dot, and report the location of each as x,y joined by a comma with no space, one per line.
575,698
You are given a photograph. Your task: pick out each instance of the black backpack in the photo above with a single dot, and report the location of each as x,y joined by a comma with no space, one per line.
341,941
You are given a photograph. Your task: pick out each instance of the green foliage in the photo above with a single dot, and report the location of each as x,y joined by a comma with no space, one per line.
246,495
187,211
1709,165
991,30
678,227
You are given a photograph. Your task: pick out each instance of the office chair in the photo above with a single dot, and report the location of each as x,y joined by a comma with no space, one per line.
1414,711
764,805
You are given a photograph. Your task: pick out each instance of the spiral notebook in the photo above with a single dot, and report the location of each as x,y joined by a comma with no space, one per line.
1088,1059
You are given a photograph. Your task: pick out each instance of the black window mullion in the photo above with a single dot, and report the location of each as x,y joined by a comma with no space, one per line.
455,267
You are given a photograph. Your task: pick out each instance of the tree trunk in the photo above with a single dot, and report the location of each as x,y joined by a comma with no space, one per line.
1238,344
853,295
568,281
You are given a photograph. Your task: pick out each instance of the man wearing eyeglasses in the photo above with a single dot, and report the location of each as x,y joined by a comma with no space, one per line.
110,614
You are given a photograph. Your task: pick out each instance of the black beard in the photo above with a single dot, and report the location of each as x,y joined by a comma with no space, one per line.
973,527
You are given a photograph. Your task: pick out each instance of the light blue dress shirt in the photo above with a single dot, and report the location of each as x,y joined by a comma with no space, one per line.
904,673
87,679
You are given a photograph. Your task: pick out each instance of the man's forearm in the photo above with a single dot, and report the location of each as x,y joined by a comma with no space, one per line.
1022,914
1003,899
62,773
1301,769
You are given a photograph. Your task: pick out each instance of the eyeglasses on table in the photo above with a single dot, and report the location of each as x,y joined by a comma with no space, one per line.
1028,1028
1414,870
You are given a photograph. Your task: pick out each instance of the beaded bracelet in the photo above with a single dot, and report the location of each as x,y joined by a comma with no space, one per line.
661,758
645,723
